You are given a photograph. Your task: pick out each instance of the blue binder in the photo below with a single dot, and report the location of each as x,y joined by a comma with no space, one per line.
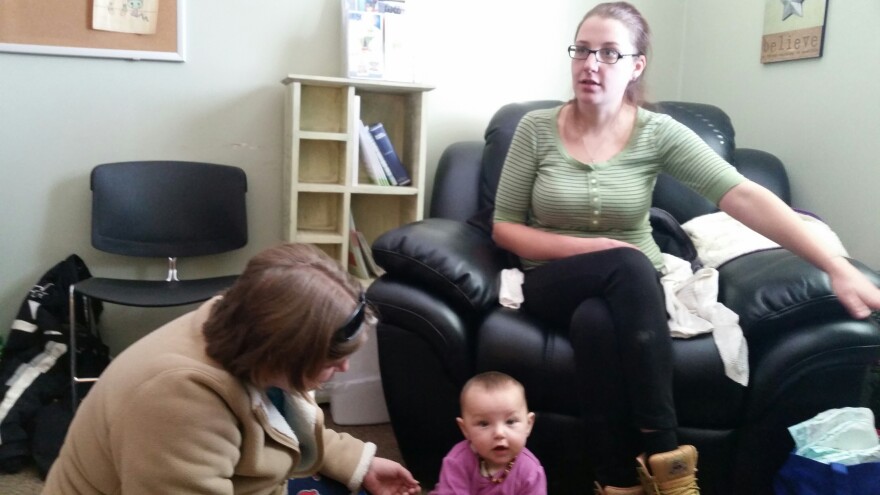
387,150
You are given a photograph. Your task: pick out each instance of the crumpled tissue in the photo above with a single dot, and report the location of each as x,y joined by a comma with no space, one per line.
845,436
510,295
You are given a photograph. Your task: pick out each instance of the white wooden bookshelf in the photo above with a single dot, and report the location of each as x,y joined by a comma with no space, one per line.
323,180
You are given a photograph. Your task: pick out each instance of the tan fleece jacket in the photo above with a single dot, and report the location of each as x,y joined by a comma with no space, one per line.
165,418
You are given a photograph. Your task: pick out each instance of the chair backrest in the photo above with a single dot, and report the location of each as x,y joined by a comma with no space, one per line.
168,208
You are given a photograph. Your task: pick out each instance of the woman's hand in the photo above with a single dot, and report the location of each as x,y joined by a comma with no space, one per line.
857,294
387,477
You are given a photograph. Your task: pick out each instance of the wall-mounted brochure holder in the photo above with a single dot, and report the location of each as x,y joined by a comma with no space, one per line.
380,39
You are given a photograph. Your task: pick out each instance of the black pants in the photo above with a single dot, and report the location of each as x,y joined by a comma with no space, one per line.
613,305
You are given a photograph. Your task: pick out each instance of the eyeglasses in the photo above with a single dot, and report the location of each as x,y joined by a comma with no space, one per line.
603,55
352,327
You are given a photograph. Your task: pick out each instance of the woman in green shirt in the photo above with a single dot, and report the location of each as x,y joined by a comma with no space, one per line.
572,203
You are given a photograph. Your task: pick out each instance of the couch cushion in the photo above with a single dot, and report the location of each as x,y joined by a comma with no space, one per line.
776,290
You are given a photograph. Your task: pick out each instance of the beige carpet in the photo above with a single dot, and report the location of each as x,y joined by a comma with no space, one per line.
28,482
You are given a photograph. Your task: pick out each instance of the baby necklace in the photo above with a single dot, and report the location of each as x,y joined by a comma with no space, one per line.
501,477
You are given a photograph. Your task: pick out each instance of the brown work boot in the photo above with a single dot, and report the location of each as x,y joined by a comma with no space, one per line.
613,490
670,473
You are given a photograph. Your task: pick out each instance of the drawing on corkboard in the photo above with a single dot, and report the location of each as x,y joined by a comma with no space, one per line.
793,30
126,16
71,28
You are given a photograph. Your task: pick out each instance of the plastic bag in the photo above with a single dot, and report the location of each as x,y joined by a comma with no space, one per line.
836,453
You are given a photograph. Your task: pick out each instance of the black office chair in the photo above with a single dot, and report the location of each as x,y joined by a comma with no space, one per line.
165,209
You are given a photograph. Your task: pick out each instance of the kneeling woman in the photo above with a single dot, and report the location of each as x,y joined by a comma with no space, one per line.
217,400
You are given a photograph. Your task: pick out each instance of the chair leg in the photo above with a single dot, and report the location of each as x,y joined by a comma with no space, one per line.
75,380
71,352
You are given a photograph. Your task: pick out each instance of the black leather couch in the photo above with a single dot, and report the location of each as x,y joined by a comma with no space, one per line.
440,324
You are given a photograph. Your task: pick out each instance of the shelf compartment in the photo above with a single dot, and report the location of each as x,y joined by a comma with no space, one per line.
323,109
319,217
332,250
321,161
401,115
376,214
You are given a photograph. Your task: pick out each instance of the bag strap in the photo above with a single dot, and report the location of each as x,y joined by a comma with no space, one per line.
672,237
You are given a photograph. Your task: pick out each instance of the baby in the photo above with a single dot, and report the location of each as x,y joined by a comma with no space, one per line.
493,458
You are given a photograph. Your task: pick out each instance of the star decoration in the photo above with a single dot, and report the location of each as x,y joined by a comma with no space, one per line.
792,7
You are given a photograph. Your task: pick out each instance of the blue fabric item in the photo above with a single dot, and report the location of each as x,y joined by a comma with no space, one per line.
802,476
276,395
317,485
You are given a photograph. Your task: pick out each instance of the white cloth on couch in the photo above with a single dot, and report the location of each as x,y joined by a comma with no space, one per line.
693,308
510,294
719,237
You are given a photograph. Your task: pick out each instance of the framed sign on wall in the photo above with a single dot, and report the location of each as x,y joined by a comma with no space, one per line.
68,27
793,30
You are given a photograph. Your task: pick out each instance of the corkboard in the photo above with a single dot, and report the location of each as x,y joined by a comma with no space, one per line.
63,27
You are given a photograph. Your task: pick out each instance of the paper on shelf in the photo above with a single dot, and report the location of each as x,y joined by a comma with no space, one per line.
380,38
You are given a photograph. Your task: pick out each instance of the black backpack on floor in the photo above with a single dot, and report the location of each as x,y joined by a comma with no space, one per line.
35,409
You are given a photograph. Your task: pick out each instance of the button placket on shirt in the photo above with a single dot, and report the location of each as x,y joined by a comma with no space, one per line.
595,206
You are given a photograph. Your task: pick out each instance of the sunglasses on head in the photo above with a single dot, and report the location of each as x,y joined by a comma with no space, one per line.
352,327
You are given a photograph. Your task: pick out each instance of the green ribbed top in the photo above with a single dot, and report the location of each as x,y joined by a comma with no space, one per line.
543,187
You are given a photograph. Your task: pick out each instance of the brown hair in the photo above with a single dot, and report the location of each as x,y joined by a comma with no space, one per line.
489,381
640,34
280,316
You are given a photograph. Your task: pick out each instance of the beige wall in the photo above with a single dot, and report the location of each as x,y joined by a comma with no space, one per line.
819,116
60,116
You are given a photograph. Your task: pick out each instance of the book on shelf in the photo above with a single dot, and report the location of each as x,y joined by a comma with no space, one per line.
386,148
360,255
383,163
357,265
370,156
374,268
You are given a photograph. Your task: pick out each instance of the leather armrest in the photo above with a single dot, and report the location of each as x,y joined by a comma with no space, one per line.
454,260
419,313
775,289
799,335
